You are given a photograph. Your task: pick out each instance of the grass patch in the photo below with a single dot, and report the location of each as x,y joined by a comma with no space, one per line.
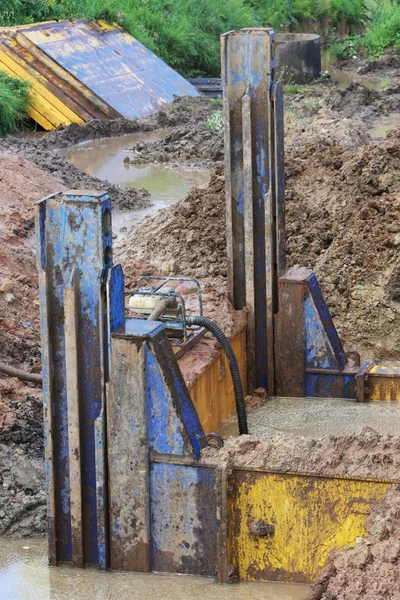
383,26
215,121
13,102
290,13
291,89
184,33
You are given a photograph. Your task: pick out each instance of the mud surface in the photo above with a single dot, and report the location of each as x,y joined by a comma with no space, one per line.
364,455
370,570
384,67
343,209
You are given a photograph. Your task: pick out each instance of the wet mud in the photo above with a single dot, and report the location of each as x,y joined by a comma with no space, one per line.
343,210
371,568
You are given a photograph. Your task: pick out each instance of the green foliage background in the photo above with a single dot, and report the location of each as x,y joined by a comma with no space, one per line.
13,102
185,33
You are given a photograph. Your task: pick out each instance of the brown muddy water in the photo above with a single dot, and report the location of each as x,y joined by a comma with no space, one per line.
104,158
345,77
384,124
25,575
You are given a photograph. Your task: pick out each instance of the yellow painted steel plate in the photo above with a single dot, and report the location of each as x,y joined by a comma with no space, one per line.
308,516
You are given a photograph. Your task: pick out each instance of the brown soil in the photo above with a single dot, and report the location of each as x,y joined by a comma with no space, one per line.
370,570
366,455
386,66
343,209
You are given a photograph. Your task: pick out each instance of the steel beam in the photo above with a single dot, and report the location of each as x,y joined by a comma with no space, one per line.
255,200
74,262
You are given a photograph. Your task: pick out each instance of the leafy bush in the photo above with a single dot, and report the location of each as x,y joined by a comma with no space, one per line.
383,26
13,102
289,13
184,33
346,48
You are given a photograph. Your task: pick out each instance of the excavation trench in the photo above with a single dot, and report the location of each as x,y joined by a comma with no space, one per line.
111,159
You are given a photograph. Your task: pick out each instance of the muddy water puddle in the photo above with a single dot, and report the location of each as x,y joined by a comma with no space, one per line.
104,158
345,77
384,124
24,575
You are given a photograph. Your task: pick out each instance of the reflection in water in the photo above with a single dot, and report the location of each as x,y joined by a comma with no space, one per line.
24,575
104,159
344,77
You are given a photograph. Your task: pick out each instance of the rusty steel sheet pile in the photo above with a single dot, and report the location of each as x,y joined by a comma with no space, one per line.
81,70
127,487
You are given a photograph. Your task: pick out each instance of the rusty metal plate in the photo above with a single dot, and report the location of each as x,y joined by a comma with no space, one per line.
283,525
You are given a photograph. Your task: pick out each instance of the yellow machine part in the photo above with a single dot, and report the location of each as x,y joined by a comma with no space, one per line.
213,394
384,382
309,516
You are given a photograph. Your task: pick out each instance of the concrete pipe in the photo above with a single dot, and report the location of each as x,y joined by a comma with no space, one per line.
297,57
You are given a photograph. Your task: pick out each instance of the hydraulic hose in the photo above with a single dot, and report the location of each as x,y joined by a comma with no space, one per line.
233,365
159,308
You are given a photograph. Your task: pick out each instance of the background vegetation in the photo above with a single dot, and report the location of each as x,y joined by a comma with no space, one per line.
13,103
185,33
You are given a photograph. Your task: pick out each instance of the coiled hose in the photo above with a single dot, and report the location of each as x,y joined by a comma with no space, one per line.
233,365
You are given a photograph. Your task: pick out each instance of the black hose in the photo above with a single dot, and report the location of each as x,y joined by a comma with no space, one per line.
233,365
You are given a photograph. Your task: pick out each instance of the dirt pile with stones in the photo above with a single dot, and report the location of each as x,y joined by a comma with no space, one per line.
368,454
343,210
370,569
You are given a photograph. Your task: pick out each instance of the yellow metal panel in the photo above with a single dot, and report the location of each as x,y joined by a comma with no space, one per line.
61,113
212,393
43,122
384,388
309,515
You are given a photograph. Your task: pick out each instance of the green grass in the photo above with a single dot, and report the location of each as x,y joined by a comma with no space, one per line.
383,26
290,13
13,103
291,89
184,33
215,121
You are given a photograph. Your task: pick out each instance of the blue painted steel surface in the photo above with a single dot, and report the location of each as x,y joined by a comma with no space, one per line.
319,353
183,519
71,238
175,387
164,425
112,64
247,70
309,354
324,385
326,318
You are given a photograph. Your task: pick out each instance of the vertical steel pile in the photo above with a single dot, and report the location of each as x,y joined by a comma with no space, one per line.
76,281
255,194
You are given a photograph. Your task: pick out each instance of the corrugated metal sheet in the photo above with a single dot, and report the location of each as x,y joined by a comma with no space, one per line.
81,70
212,393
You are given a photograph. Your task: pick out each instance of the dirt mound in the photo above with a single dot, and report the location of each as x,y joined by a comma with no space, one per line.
343,221
387,62
366,455
190,235
21,184
22,494
348,102
370,570
343,209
